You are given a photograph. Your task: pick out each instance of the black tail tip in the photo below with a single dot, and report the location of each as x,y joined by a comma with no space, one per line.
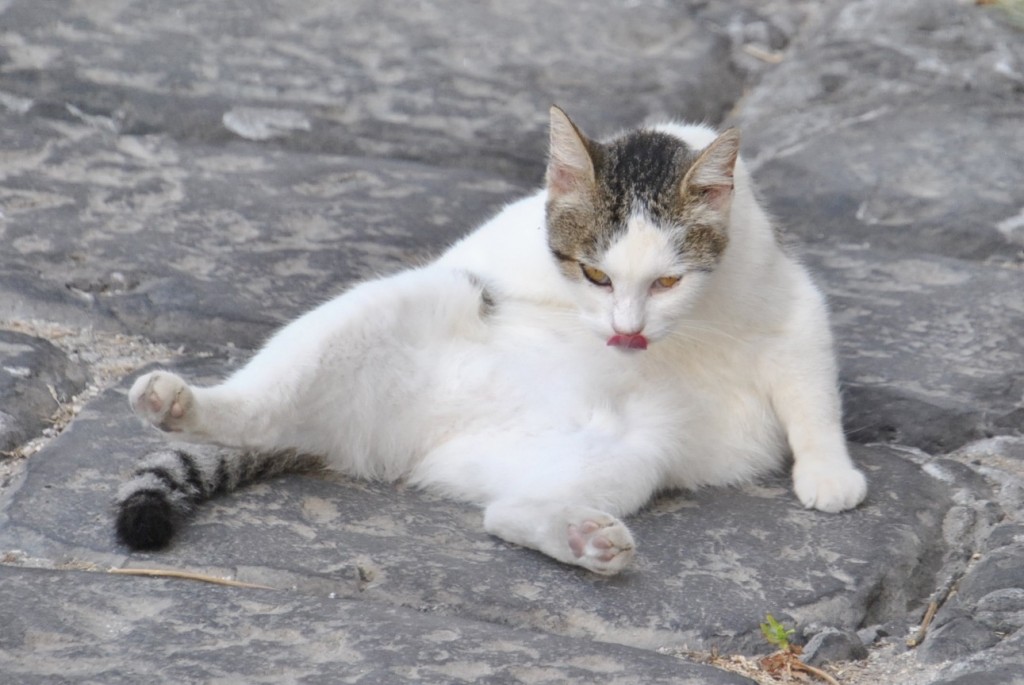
146,521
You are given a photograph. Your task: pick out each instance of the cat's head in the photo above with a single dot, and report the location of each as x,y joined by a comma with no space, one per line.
637,225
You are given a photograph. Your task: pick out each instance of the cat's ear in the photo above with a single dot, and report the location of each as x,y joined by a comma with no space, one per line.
570,167
711,176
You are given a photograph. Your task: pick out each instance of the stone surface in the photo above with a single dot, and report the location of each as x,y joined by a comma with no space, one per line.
957,639
63,627
389,126
198,175
833,645
1007,675
889,138
155,221
896,124
925,346
35,378
708,587
989,601
421,82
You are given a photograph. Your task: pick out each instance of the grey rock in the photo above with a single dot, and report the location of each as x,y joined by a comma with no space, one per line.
856,171
711,564
12,433
958,638
999,459
833,645
413,82
925,345
202,175
1001,664
998,570
384,128
1005,535
35,377
1009,674
1002,610
889,104
63,627
214,246
861,140
987,607
871,634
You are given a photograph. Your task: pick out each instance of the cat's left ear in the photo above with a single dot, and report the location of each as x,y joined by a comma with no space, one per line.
711,176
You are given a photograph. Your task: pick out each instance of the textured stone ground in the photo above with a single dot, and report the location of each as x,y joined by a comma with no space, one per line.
192,176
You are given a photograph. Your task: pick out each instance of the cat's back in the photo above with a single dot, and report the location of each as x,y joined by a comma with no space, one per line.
510,253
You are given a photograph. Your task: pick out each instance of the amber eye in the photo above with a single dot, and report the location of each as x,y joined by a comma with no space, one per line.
595,276
666,282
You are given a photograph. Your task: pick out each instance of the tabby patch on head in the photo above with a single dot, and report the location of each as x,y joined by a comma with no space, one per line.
637,216
595,188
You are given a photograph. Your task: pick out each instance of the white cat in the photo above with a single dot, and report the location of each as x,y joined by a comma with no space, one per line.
632,328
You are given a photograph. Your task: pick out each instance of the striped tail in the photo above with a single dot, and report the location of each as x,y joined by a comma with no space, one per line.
168,484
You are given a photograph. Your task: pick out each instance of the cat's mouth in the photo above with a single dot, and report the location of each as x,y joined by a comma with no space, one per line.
633,341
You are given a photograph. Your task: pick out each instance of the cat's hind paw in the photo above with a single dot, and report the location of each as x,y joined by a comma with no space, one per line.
601,544
163,400
829,488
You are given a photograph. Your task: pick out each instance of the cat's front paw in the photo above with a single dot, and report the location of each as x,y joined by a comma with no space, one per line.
828,487
163,400
601,544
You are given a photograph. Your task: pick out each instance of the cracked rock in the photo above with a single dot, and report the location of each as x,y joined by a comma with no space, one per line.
833,645
959,637
35,378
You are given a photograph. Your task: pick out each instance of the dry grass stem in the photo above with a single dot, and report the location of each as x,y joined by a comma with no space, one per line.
185,575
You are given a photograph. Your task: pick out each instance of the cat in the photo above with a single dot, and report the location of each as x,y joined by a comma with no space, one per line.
633,327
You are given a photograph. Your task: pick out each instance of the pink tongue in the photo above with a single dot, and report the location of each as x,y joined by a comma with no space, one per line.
631,342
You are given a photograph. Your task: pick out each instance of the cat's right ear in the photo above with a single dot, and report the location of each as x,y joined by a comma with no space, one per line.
711,176
570,167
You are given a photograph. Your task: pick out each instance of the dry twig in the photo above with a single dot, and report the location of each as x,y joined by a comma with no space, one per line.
186,575
787,661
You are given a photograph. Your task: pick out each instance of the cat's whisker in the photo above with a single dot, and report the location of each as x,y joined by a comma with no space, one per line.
697,331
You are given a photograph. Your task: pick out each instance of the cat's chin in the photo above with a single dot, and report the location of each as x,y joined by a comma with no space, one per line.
635,341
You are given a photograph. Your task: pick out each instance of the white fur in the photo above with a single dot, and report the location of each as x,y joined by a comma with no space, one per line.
526,410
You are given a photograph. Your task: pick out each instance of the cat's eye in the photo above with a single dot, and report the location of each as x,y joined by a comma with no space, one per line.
666,282
594,275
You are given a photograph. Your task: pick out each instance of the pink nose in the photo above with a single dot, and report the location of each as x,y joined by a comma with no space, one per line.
630,341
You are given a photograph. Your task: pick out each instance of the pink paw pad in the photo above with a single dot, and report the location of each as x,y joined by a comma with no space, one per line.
584,534
154,402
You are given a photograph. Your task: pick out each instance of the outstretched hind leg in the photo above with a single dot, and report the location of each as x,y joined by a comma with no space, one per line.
217,414
165,401
573,534
347,363
557,492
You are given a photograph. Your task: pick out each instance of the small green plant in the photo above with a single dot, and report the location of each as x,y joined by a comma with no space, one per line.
776,633
782,663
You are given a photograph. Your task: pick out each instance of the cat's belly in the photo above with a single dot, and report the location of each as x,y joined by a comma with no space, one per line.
546,401
436,385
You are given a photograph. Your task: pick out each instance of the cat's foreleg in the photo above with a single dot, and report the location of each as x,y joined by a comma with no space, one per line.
806,399
578,535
